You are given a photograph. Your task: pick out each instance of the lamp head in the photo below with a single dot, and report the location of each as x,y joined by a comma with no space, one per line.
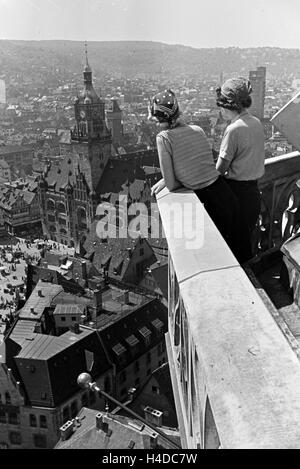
84,380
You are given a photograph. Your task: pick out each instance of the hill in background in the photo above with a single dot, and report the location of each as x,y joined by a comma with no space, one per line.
131,58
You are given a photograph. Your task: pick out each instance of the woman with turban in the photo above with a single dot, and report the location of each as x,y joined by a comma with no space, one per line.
186,160
242,156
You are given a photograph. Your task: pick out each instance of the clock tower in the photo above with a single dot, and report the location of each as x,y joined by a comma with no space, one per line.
91,138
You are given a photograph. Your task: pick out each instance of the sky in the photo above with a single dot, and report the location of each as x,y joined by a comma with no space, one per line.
196,23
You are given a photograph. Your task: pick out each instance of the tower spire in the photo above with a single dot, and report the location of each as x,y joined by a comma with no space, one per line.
86,55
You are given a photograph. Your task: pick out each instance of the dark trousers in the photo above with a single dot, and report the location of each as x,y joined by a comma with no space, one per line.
249,199
222,206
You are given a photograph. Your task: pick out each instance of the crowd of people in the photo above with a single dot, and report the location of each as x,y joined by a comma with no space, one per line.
228,189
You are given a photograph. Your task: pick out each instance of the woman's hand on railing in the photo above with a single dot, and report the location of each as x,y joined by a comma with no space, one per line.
160,185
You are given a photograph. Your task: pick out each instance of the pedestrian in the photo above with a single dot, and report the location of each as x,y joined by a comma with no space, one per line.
186,160
242,156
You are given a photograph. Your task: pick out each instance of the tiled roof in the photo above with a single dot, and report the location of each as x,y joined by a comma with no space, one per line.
120,173
115,251
64,173
68,309
10,195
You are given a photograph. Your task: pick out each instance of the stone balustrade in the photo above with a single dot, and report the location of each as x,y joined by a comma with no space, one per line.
235,378
280,214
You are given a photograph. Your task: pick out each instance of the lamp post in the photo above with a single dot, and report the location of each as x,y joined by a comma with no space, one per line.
84,380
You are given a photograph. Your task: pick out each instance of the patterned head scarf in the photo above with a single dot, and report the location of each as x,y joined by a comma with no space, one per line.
164,105
234,93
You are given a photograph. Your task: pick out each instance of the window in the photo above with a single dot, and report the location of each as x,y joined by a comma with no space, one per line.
32,420
40,441
43,396
73,318
13,418
7,398
15,438
63,319
2,416
50,205
61,207
155,390
43,421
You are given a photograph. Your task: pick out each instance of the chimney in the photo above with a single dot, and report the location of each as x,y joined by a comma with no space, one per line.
97,300
32,311
153,416
84,270
126,297
66,430
153,440
100,423
75,328
40,293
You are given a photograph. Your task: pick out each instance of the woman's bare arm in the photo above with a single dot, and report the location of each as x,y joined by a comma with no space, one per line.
166,165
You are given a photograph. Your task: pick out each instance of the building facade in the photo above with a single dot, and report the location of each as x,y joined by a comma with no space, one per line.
68,187
258,83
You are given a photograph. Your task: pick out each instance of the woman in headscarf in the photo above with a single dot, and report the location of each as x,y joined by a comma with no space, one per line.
186,160
242,156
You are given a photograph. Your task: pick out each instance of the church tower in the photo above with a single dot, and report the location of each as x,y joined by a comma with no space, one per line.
91,138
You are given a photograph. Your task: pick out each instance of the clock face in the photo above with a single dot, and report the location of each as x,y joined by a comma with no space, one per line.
82,114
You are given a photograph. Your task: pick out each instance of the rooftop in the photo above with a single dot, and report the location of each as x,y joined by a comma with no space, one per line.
117,432
37,302
44,347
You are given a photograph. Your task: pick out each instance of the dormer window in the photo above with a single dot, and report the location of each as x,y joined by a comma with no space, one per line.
146,334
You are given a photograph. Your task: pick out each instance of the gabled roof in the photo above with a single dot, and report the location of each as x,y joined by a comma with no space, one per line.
115,253
63,173
120,173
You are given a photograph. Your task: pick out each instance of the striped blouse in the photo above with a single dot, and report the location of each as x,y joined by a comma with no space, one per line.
191,155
